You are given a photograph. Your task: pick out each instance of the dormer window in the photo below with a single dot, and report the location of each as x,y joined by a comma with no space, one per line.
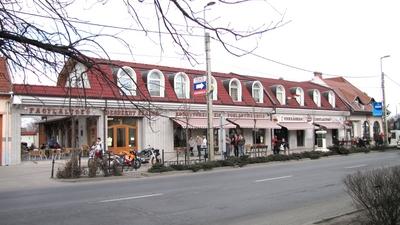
331,99
280,94
235,90
78,77
257,92
182,85
317,97
156,83
127,80
215,88
299,96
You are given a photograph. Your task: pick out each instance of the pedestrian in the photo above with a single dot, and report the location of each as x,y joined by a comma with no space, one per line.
241,141
228,146
199,140
275,146
192,145
99,146
234,142
284,146
204,146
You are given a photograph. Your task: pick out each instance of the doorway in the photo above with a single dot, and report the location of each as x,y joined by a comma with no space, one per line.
122,138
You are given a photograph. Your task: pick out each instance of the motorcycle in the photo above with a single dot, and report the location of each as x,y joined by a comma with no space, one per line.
126,159
149,155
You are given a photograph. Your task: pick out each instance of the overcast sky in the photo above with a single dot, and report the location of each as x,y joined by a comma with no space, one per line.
340,37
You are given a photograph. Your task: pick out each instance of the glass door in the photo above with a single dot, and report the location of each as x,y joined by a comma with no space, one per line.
121,138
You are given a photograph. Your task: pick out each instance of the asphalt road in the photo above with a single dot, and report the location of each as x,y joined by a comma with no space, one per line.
296,192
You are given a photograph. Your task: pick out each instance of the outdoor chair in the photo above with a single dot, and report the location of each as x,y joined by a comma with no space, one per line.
34,153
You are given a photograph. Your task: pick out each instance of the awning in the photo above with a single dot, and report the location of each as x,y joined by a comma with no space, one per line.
296,125
330,125
259,123
200,123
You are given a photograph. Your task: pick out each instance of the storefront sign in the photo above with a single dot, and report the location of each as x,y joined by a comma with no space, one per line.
203,114
133,113
377,109
293,118
57,111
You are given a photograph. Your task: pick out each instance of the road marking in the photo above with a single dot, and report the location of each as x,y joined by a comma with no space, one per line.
129,198
356,166
273,178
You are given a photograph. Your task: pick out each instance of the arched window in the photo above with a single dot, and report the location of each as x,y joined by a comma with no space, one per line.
127,80
78,77
215,86
155,83
317,97
235,90
257,92
331,99
366,133
280,94
299,96
182,85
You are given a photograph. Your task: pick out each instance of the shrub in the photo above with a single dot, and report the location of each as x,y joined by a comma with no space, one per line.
159,168
311,154
195,167
92,164
70,170
179,167
378,193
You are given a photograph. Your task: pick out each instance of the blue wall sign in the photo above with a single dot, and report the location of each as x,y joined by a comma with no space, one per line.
377,109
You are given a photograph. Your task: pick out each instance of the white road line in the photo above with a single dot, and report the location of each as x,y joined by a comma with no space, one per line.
129,198
356,166
273,178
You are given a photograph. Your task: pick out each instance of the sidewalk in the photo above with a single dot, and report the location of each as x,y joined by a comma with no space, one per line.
37,174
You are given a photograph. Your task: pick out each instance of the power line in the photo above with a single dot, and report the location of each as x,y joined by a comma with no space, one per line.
392,80
191,35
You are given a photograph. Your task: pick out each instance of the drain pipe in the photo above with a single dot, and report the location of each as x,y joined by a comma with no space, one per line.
6,149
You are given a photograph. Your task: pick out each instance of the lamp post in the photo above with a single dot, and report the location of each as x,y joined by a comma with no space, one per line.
210,131
384,121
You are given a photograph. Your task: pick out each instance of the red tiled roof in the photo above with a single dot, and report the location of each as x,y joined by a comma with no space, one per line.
104,87
5,80
350,93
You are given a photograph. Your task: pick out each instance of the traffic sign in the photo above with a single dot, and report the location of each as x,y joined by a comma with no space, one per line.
199,85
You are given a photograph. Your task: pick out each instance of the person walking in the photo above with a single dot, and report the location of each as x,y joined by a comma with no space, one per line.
228,147
285,146
241,141
192,145
199,141
204,146
275,146
234,142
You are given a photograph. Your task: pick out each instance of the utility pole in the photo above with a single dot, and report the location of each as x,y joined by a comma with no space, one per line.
384,121
209,95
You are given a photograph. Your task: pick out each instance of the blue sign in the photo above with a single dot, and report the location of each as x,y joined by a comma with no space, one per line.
199,85
377,109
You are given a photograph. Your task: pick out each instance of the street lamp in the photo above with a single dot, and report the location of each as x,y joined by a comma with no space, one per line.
384,121
210,131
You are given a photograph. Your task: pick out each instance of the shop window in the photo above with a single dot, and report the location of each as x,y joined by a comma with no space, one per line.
179,136
127,80
300,138
280,94
257,92
155,83
78,77
366,133
182,85
235,90
259,136
299,96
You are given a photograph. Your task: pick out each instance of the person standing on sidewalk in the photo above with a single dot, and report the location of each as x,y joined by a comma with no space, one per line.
192,145
204,146
241,141
227,146
198,144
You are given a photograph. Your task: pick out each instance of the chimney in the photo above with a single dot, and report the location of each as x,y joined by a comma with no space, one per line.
318,74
